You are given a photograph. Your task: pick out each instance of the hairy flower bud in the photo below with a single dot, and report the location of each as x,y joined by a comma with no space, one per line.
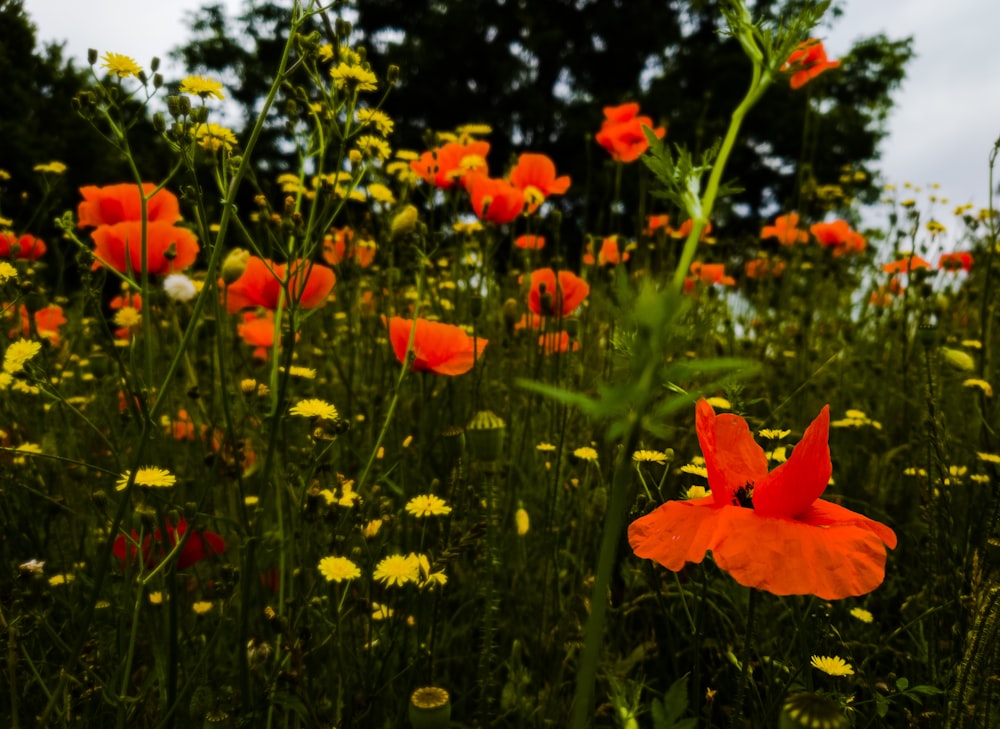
234,265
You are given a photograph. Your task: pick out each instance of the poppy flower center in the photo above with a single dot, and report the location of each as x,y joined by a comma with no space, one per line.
743,496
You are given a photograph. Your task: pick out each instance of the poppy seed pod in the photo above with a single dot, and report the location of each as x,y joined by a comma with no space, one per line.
485,435
430,708
806,709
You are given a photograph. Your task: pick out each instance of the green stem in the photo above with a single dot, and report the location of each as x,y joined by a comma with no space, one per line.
741,688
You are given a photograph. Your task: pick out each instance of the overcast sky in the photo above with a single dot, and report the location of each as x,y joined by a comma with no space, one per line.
945,123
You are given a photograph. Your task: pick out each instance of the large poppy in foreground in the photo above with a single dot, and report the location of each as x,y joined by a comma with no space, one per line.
117,203
443,349
770,531
168,248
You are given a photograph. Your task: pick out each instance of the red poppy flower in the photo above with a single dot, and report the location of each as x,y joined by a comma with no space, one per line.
609,254
27,246
561,295
261,284
685,230
258,332
168,248
443,349
495,200
761,267
47,322
557,343
905,265
535,176
341,244
530,242
119,203
786,230
769,531
961,261
621,133
712,273
200,545
655,223
450,162
807,62
839,236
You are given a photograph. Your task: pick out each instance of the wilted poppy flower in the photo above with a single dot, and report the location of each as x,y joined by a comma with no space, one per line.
839,236
27,246
786,230
807,62
443,349
621,133
610,253
961,261
552,296
495,200
769,531
168,248
119,203
905,265
530,242
450,162
261,284
535,176
200,545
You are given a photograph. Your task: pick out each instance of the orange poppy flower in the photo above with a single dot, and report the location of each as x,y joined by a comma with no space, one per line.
495,200
712,273
550,296
443,349
119,203
341,244
128,298
762,267
441,167
807,62
786,230
530,242
535,176
257,331
961,261
685,230
839,236
609,254
557,343
769,531
27,246
262,281
621,132
905,265
47,322
168,248
655,223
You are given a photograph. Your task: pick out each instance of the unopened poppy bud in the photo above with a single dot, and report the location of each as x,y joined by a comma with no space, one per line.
430,708
91,56
485,435
154,64
199,114
807,710
958,359
511,314
392,74
404,222
143,78
157,80
234,265
159,123
476,305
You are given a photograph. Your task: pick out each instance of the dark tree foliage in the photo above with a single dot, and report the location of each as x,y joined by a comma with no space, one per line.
540,72
38,125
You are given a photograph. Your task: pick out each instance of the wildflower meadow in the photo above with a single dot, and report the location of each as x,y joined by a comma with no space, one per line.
391,437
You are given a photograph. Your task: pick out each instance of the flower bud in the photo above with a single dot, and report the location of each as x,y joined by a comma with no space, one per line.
159,123
806,710
91,56
234,265
392,74
404,222
958,359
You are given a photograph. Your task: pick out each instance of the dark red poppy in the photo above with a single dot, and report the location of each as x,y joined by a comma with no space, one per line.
443,349
200,545
497,201
168,248
768,530
119,203
261,284
961,261
552,296
621,132
27,246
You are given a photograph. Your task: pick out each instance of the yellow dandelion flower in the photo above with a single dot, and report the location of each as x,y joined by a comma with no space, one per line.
353,78
695,470
372,528
645,456
863,615
773,434
983,385
972,343
988,457
856,414
248,385
120,65
7,272
148,476
156,598
374,147
381,612
914,471
56,580
378,119
380,193
474,130
397,569
203,87
522,522
54,168
213,137
545,447
313,408
832,665
979,478
697,492
338,569
127,317
778,455
720,403
467,228
202,607
19,353
586,453
427,505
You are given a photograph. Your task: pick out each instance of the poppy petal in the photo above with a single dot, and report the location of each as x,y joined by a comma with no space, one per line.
677,532
791,488
826,513
732,457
